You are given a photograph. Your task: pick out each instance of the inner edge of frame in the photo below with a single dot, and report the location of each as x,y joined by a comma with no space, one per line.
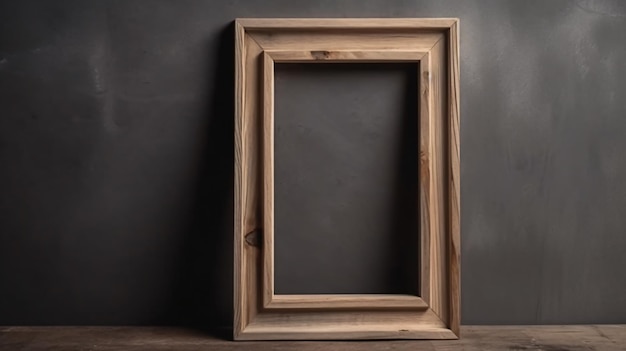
319,302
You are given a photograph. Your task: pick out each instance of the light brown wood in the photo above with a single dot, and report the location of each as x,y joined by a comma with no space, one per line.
437,166
475,338
345,55
347,23
247,180
347,325
260,314
407,40
425,117
454,175
347,302
240,302
268,179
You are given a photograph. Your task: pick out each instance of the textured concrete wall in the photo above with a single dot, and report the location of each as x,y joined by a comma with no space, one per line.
116,125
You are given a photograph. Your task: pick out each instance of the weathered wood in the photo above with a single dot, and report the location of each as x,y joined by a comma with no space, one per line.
346,40
475,338
347,23
247,179
454,176
361,56
268,178
437,165
348,302
259,313
424,175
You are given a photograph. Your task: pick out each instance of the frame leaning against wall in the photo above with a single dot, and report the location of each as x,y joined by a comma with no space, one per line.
259,313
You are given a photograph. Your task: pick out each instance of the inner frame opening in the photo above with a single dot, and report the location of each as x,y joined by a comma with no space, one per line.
346,178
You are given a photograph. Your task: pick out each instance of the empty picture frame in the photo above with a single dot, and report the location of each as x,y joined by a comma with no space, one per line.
259,313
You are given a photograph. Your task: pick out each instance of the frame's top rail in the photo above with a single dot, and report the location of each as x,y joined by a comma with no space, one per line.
347,23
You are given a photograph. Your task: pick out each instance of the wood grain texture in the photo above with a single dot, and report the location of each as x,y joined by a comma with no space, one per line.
345,40
268,179
259,313
240,316
437,164
425,117
379,331
454,171
346,325
475,338
347,302
347,23
247,180
363,56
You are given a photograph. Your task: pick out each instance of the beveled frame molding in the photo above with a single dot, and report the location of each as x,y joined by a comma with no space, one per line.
260,314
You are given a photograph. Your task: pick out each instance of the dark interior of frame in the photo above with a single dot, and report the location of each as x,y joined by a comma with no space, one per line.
346,178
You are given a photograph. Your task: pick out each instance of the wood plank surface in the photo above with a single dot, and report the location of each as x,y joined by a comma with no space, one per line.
346,23
361,56
347,325
247,179
473,338
348,301
345,41
454,178
268,179
425,150
437,165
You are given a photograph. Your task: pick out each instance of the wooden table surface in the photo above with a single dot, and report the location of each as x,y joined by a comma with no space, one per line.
547,338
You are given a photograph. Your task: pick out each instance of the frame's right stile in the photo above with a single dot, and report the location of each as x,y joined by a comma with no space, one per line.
454,139
259,312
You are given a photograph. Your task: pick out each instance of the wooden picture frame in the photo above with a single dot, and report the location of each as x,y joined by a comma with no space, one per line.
260,314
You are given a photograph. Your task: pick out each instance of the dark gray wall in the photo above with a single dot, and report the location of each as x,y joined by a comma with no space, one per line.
346,178
116,125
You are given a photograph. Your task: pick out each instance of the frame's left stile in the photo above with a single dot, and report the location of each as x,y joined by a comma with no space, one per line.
247,179
268,178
